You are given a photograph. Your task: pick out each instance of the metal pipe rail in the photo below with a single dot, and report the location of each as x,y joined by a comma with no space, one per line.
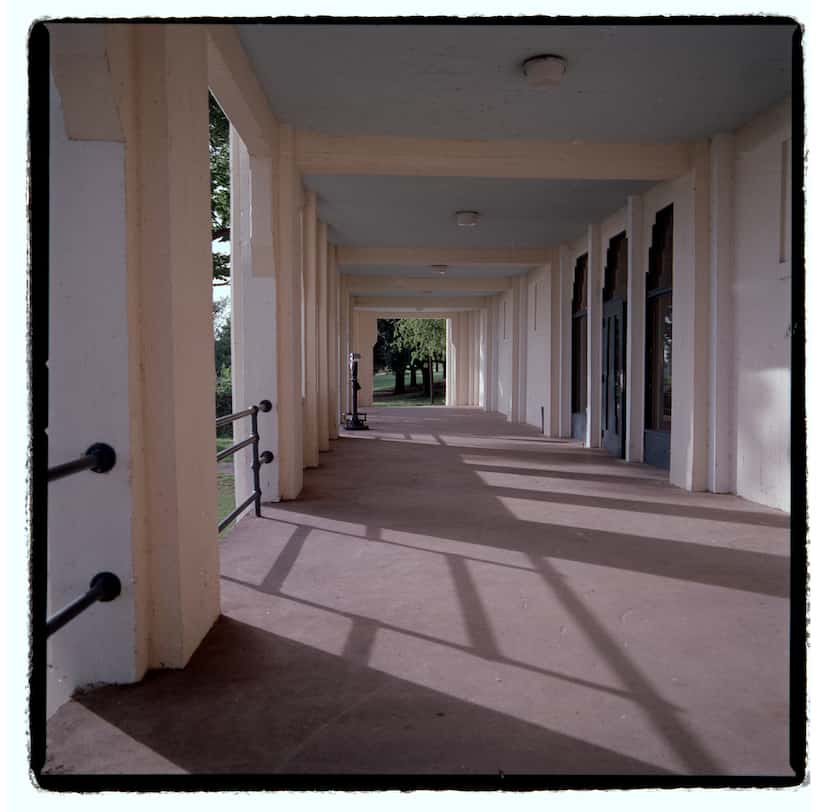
99,458
103,587
258,459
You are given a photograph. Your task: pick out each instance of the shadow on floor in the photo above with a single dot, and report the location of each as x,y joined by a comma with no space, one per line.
251,701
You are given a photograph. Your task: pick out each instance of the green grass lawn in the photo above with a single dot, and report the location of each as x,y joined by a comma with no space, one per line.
225,499
383,385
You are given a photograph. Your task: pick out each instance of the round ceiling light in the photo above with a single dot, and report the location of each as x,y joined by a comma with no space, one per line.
467,219
441,270
544,70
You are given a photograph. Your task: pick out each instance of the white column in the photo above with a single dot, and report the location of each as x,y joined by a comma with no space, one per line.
449,374
334,344
322,337
253,322
721,347
289,339
367,333
690,329
311,442
566,284
521,334
484,358
516,326
552,420
595,266
635,330
94,520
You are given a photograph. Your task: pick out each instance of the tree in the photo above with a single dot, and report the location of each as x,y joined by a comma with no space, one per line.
220,190
427,340
387,355
222,362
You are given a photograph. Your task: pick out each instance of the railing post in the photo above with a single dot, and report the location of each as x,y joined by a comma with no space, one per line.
256,463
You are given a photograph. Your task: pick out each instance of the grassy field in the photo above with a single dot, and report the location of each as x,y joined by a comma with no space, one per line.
225,500
383,385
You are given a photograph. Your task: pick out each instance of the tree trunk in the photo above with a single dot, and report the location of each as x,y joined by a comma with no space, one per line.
426,376
431,385
412,381
400,382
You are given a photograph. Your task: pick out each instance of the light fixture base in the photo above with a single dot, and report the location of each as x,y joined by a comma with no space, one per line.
544,70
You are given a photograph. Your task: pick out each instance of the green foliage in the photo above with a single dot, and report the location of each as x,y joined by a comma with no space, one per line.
222,362
220,188
424,338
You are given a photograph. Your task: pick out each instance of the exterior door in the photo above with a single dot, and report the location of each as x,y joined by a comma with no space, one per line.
613,377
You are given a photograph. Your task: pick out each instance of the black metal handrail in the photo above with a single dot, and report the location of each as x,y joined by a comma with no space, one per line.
103,587
258,459
99,457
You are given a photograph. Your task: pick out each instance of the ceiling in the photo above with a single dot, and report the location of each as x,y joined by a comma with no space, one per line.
624,83
427,271
389,211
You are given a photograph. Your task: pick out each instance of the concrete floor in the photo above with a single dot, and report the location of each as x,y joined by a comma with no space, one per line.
457,594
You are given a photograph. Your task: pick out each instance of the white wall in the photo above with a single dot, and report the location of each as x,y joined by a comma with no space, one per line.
90,515
761,295
538,321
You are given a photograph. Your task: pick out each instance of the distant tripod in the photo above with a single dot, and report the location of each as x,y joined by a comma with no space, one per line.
356,421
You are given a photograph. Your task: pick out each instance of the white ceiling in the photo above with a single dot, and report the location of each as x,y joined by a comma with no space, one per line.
427,272
644,83
623,83
401,212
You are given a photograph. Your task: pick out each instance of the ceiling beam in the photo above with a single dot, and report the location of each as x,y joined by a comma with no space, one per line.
411,303
389,284
360,255
320,154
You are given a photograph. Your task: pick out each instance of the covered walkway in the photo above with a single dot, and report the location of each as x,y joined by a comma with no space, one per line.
454,593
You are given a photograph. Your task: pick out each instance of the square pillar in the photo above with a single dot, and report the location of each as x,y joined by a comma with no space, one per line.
311,440
517,325
367,335
552,419
289,339
635,361
323,337
566,286
593,437
722,457
334,344
171,196
253,320
690,328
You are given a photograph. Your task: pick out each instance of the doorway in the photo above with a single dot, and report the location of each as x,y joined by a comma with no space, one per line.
614,346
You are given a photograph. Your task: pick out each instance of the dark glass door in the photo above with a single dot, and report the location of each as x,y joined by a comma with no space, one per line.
613,377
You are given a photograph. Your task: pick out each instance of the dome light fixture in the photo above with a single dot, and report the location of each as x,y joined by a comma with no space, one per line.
467,219
544,70
441,270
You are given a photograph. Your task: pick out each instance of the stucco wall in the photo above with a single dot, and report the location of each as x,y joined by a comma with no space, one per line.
537,324
762,281
90,515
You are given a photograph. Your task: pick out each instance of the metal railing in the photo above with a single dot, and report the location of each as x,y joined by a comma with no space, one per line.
104,586
258,459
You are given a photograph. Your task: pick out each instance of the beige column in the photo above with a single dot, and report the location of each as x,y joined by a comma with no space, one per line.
593,437
553,420
367,331
566,281
334,343
289,339
323,337
170,191
311,446
449,369
518,325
